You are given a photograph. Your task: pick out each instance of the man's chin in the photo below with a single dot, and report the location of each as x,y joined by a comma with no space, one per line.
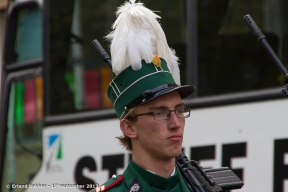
176,153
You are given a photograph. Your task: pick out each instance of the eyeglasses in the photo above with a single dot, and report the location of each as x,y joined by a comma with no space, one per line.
159,115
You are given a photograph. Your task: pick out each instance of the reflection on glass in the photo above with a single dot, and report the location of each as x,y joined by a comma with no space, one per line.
29,107
29,34
24,141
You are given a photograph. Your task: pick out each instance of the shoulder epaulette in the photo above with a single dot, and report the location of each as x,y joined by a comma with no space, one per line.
109,184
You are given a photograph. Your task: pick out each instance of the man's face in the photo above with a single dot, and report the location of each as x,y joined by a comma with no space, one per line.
160,139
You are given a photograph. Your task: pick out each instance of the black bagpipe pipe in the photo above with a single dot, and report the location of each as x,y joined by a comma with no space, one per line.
196,178
102,52
262,40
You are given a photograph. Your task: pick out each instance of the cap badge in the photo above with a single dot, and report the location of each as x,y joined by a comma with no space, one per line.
156,61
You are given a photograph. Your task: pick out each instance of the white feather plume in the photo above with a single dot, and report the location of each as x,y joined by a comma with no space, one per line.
138,35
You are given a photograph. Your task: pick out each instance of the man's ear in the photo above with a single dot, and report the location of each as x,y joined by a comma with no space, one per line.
127,128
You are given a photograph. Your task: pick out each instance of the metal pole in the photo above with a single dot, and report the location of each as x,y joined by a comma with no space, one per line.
192,44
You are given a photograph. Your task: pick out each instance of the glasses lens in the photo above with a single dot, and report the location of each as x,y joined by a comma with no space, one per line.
183,113
161,115
165,114
186,113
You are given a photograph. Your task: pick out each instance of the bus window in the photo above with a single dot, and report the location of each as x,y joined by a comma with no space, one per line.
78,76
230,59
24,125
24,40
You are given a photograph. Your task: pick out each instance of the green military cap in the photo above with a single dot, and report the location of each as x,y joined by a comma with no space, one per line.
145,66
131,88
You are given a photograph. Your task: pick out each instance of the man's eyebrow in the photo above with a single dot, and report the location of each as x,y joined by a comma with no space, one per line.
165,107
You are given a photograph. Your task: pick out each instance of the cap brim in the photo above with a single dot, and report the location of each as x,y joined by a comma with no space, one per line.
149,95
184,91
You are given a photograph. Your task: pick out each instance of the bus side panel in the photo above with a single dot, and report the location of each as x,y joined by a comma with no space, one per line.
243,137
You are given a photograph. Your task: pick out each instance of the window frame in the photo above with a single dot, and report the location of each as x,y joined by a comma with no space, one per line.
13,71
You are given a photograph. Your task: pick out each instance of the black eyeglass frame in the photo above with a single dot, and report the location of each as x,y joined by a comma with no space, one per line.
185,109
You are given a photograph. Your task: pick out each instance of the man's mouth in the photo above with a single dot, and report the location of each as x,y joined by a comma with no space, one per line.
175,138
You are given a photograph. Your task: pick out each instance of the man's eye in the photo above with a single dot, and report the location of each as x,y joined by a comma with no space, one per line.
179,111
158,113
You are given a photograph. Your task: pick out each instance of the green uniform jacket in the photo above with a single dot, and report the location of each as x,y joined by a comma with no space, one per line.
137,179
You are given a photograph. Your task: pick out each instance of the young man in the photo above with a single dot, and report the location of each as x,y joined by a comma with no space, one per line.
153,129
147,98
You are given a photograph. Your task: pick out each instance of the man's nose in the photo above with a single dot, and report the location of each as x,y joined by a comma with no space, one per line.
174,121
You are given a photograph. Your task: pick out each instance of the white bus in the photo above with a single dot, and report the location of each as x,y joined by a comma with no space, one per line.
58,129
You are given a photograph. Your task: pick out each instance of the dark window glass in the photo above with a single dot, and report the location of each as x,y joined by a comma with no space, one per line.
78,76
230,58
23,148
